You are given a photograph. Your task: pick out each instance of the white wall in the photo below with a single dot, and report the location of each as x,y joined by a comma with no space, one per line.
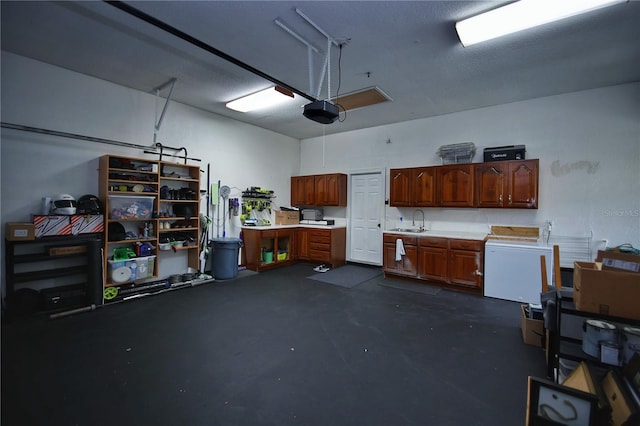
34,165
588,144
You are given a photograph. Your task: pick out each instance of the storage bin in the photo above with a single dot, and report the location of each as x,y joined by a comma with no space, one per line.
225,257
282,255
137,268
123,207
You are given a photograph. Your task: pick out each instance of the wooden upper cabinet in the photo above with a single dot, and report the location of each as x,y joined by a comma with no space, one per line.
523,184
511,184
319,190
455,185
297,190
424,187
331,190
401,187
500,184
491,181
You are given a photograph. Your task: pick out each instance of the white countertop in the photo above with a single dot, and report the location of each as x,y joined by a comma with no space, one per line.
464,235
300,225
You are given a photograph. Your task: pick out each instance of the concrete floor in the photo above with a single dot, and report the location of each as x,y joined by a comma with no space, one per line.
274,348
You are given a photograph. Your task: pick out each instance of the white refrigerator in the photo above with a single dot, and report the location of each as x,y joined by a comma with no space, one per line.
512,270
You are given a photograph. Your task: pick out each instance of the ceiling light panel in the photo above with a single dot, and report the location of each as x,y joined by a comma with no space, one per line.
522,15
266,98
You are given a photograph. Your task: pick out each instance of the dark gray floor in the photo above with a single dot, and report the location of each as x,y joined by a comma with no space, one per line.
273,348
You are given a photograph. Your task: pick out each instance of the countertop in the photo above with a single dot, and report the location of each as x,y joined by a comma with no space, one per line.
300,225
464,235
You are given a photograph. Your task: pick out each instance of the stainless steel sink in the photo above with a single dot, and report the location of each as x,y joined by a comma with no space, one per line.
412,230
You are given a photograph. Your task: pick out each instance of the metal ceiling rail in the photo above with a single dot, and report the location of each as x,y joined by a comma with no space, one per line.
186,37
94,139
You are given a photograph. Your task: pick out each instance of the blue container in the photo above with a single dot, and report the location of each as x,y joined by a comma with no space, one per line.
224,255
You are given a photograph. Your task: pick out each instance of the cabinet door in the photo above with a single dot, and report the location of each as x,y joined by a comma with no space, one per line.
424,187
297,190
321,189
309,184
335,190
303,191
389,259
433,263
408,266
523,184
455,185
465,267
301,249
400,187
491,184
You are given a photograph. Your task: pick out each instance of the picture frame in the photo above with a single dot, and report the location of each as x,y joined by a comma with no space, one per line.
551,404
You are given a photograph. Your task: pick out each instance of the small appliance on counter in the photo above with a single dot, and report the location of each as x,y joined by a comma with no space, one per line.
312,214
318,222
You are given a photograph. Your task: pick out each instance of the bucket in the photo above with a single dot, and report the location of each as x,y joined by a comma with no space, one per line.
596,332
282,255
630,342
610,353
267,256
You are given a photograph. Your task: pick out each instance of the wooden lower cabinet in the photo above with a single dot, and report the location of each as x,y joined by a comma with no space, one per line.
327,246
266,249
289,245
456,263
433,253
408,265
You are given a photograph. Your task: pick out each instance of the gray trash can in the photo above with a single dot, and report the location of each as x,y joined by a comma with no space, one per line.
224,256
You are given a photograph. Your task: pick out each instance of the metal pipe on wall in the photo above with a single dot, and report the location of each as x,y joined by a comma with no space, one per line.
91,139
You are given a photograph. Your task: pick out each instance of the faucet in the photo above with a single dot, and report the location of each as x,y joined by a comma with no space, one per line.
413,222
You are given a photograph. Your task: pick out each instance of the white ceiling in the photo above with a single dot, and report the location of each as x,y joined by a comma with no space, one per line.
409,50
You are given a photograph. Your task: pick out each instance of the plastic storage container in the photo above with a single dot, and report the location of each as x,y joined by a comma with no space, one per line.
224,255
123,207
137,268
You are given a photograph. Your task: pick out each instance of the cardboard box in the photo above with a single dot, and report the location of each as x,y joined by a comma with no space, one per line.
606,292
287,217
19,231
87,224
612,261
51,225
532,329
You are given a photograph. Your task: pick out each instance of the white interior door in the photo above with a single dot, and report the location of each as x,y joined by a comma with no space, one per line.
365,230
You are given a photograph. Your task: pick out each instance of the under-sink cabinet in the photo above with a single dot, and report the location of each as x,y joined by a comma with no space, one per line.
408,264
453,262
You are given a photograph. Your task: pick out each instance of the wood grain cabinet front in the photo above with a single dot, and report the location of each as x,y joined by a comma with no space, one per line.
507,184
408,263
455,185
319,190
453,262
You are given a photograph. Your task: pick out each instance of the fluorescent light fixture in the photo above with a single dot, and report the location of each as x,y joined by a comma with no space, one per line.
522,15
274,95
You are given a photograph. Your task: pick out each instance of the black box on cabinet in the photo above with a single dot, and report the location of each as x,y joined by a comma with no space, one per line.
501,153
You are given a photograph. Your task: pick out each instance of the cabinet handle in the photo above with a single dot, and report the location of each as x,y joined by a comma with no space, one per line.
500,198
509,198
476,272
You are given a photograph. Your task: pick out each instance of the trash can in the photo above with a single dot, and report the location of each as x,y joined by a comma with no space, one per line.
224,255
